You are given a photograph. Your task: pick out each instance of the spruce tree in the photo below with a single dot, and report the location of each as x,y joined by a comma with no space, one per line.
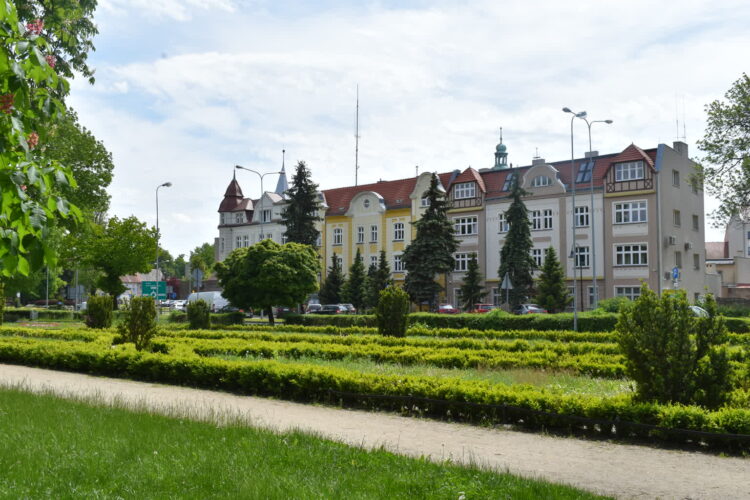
371,292
354,287
301,212
330,292
472,291
515,256
431,252
383,276
551,291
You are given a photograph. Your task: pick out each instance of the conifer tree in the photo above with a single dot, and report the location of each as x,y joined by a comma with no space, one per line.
431,252
472,292
353,291
383,276
330,292
515,256
551,292
371,292
301,212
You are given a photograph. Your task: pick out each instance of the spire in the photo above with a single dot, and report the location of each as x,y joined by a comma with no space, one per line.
282,186
232,196
501,154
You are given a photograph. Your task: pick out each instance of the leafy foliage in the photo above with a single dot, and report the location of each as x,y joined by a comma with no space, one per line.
515,256
301,212
268,274
353,291
330,292
431,251
614,304
202,257
199,315
138,324
393,306
472,291
99,311
672,355
726,144
552,293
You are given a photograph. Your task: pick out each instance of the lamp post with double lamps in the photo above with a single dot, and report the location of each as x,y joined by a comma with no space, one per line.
166,184
582,114
262,221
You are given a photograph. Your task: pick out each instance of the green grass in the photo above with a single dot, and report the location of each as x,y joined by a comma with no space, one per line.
54,448
553,381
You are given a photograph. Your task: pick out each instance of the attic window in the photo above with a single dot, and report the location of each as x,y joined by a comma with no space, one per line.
465,190
509,179
541,181
399,200
584,172
628,171
366,203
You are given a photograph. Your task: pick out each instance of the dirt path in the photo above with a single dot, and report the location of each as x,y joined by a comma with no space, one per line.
625,471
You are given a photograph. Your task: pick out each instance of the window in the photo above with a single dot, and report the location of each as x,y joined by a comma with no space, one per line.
398,264
338,236
631,212
425,202
398,231
266,215
581,257
509,180
222,245
238,218
496,296
678,259
504,226
697,261
591,295
360,234
536,219
676,218
465,190
584,172
675,178
536,254
238,242
318,240
695,223
629,171
462,262
245,241
366,203
284,239
541,181
269,236
221,219
582,216
547,223
465,225
631,255
629,292
340,260
374,260
373,234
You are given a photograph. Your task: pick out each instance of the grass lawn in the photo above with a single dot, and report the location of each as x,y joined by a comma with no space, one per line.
55,448
554,381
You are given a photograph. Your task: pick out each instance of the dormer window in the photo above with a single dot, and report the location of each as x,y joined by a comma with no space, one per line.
465,190
629,171
266,215
541,181
366,203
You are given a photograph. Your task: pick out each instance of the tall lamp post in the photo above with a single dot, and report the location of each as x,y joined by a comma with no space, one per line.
582,114
262,192
166,184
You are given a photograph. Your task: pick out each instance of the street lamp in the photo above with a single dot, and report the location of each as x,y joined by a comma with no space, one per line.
166,184
239,167
582,114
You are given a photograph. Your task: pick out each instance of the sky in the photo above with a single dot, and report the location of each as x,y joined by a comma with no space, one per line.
186,89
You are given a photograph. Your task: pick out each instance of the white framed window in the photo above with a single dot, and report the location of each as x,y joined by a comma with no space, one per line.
360,234
582,216
238,218
465,225
338,236
284,239
266,215
591,296
318,240
222,244
496,296
678,259
465,190
462,262
238,242
373,234
246,241
631,255
398,231
398,264
504,227
374,260
696,222
629,292
536,254
582,257
676,218
629,171
536,220
424,202
541,181
221,219
340,260
675,178
547,222
696,261
631,212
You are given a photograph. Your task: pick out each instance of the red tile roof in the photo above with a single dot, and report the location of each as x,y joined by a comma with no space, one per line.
469,175
233,199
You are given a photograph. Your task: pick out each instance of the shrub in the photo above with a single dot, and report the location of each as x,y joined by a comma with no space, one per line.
198,315
672,355
138,325
177,317
229,318
613,305
99,311
393,306
2,301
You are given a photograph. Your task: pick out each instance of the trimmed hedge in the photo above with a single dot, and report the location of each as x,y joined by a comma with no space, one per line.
12,314
223,319
529,406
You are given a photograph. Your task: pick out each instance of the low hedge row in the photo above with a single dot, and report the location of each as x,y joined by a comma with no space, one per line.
218,319
13,314
528,406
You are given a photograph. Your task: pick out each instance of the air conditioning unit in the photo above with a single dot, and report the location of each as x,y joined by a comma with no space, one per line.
688,245
670,240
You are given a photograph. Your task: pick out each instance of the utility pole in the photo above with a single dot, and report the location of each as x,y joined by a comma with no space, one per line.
356,142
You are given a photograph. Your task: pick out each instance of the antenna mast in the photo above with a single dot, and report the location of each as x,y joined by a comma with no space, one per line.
356,142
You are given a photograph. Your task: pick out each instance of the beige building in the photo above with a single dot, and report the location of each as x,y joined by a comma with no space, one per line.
728,261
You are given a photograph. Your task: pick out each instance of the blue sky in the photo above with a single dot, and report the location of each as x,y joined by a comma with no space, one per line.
188,88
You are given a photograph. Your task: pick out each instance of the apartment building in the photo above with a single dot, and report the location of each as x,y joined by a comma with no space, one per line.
617,219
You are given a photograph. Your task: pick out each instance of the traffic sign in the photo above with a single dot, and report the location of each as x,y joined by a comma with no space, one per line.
675,273
507,284
155,289
197,277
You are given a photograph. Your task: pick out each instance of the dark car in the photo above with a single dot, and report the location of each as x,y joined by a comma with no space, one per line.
350,309
529,309
313,308
332,309
447,309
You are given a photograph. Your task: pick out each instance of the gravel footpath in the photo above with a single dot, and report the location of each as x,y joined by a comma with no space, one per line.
625,471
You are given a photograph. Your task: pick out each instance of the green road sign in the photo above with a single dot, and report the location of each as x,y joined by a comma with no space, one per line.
155,289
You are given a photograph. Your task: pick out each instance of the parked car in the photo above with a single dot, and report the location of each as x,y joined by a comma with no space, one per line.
483,308
313,308
447,309
350,309
332,309
179,305
529,309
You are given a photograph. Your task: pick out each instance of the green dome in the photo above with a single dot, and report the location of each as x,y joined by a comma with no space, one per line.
500,148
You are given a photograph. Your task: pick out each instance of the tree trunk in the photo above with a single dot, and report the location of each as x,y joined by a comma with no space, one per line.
269,312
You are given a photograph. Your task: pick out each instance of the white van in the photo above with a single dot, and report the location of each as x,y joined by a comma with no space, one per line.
214,300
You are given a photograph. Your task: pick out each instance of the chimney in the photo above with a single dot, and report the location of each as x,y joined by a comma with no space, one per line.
538,161
592,154
680,147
